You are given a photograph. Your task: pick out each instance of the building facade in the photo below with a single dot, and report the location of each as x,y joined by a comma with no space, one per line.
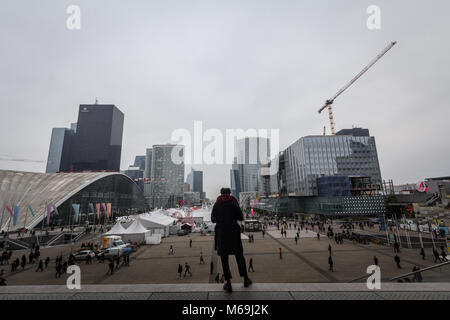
251,153
60,151
165,186
312,157
195,180
98,138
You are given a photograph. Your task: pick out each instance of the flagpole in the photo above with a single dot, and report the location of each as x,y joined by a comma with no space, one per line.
1,223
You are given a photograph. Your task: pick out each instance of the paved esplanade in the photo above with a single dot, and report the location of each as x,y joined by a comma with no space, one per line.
302,263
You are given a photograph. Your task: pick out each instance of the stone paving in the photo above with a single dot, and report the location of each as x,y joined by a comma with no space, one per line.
305,262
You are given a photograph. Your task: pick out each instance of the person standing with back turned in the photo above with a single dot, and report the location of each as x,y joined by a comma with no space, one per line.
227,238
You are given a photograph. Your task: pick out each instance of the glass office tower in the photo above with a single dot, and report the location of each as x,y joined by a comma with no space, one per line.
348,153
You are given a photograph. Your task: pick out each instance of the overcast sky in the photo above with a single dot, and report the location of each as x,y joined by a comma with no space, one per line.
232,64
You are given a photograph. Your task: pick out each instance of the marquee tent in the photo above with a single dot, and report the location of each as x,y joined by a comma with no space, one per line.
157,223
117,229
136,233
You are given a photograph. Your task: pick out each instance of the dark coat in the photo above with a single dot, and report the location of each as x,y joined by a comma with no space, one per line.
227,236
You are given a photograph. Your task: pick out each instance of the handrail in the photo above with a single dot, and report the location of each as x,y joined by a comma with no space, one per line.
421,270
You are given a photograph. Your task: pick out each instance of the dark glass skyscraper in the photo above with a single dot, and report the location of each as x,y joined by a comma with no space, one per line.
195,179
98,138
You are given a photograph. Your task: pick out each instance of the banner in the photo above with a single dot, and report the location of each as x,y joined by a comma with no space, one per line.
55,209
108,211
97,205
9,210
31,210
76,208
49,211
104,207
16,215
91,207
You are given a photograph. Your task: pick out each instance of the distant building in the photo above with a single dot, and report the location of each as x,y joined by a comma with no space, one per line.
251,153
195,180
139,162
60,151
187,187
191,199
98,138
165,185
136,171
343,154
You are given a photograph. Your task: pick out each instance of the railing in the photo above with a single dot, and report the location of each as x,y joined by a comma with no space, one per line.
420,271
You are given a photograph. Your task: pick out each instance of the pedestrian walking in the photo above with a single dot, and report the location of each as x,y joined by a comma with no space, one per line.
211,268
330,263
250,265
180,270
171,250
202,261
190,243
397,260
375,260
111,267
187,269
40,266
329,249
296,240
396,247
280,251
436,256
422,253
227,238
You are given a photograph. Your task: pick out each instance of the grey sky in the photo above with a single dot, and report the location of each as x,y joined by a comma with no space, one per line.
233,64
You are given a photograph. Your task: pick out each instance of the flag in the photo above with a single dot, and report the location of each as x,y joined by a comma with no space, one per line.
104,207
108,211
31,210
55,209
9,210
91,206
97,206
76,208
16,215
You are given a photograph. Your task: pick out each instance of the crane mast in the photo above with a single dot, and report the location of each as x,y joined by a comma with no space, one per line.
329,102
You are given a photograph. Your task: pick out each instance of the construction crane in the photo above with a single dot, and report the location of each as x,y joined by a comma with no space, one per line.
329,102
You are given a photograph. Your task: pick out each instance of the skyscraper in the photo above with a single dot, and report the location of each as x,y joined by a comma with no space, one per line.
195,180
166,183
251,152
98,138
60,151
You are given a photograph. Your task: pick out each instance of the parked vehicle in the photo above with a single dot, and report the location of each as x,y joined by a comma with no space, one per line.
84,254
182,232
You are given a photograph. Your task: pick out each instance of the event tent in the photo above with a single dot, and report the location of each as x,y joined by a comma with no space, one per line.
157,222
136,233
117,229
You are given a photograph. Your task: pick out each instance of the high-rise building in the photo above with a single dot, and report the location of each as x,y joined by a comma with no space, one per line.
139,161
351,152
251,152
165,185
98,138
195,180
60,151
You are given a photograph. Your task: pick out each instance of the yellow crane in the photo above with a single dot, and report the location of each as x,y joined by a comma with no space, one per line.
329,102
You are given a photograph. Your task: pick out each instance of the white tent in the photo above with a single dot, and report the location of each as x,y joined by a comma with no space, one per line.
117,229
157,222
136,233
